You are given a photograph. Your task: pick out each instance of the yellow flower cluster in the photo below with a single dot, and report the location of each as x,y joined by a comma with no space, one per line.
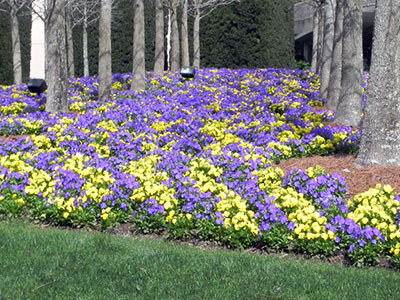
376,208
308,222
269,179
232,206
152,185
14,109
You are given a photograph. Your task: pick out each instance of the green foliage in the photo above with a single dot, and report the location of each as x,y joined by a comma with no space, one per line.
249,34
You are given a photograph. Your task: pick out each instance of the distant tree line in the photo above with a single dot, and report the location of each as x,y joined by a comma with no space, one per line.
245,34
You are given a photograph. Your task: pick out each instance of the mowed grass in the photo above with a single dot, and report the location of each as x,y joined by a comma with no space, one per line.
43,263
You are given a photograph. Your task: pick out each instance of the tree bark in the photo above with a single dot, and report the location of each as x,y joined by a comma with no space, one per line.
70,44
105,73
349,107
175,51
326,58
196,39
334,86
85,43
184,35
138,72
380,139
159,51
16,47
56,66
316,41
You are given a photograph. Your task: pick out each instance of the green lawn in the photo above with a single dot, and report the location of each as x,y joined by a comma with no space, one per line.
37,263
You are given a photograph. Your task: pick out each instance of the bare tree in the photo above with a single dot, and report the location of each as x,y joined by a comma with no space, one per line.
200,9
159,39
173,35
84,12
13,8
184,34
138,72
105,73
317,34
56,66
335,78
380,139
326,57
349,107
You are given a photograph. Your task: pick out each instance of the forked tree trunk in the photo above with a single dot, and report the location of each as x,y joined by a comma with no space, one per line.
334,86
56,66
16,47
349,107
138,72
105,73
380,140
326,58
184,35
159,51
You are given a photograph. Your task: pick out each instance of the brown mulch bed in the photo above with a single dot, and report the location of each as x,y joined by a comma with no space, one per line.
358,179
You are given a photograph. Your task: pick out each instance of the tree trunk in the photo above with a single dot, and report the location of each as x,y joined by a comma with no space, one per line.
326,58
349,108
16,47
105,73
334,86
196,40
184,35
85,43
380,140
70,44
316,41
321,25
138,72
159,51
56,66
174,37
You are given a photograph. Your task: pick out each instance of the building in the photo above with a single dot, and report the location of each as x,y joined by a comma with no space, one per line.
303,29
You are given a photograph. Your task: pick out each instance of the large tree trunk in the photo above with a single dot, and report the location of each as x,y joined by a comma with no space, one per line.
380,140
334,86
159,51
196,40
70,43
85,43
349,108
56,66
138,72
175,52
105,73
16,47
326,58
184,35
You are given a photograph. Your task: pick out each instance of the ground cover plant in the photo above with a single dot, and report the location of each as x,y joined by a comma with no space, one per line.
50,263
193,159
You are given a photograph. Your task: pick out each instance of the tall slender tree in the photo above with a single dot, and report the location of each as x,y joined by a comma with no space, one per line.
105,72
317,34
349,107
159,39
174,35
184,34
138,72
200,9
326,57
335,77
380,139
13,8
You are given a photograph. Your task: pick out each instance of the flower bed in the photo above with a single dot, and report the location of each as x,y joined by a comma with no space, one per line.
193,159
